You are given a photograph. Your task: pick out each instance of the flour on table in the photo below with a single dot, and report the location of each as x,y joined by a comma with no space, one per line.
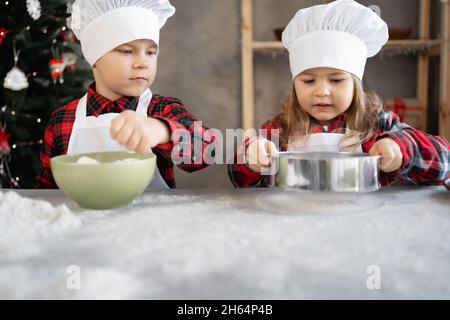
23,219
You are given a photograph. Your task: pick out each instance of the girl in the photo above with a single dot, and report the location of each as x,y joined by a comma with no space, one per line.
328,109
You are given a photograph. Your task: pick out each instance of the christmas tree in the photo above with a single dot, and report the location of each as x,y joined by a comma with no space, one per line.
41,70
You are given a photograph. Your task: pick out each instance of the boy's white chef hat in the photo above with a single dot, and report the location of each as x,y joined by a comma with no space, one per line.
340,35
102,25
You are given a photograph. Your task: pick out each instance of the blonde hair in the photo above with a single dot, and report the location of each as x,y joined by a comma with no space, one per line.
362,115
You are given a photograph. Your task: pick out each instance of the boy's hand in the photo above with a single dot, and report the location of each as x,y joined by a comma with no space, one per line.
137,132
258,154
391,155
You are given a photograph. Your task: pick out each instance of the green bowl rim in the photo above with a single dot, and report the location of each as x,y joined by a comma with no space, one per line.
152,156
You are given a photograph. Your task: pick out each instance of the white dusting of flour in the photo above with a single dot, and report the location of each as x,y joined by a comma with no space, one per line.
128,160
88,160
23,219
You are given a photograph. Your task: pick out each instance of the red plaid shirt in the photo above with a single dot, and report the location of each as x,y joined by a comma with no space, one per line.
425,157
168,109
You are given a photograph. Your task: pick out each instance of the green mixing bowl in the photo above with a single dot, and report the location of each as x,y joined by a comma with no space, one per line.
108,184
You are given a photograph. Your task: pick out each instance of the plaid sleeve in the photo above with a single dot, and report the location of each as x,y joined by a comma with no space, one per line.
56,141
192,145
425,157
48,150
240,174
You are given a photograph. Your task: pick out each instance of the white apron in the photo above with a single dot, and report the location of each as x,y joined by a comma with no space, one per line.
91,134
326,142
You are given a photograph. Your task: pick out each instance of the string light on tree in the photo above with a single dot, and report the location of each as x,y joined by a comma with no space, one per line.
2,35
4,110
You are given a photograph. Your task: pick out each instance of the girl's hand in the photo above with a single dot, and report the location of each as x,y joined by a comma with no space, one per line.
258,154
391,155
137,132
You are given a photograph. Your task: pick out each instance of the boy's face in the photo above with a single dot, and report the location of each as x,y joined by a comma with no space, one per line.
127,70
324,93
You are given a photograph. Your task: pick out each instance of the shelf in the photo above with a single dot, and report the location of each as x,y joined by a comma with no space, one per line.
432,45
412,114
268,45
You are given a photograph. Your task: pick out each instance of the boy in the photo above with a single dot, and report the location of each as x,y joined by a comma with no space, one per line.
120,41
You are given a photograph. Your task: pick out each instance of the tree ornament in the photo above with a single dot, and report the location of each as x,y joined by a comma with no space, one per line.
68,35
70,60
57,70
4,145
5,156
57,67
34,9
15,79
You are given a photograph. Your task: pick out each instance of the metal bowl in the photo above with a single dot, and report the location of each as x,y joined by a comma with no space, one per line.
447,184
326,171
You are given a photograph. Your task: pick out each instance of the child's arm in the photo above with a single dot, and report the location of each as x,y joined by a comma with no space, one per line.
241,173
161,130
45,179
425,157
174,114
137,132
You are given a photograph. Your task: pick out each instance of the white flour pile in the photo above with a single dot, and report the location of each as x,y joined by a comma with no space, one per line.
88,160
23,219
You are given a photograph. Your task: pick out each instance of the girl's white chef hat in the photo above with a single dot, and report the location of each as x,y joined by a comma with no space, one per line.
102,25
340,35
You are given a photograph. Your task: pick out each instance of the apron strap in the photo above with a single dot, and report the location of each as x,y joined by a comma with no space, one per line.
144,101
81,108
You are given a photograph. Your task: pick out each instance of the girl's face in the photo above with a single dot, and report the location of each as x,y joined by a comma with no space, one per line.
127,70
324,93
